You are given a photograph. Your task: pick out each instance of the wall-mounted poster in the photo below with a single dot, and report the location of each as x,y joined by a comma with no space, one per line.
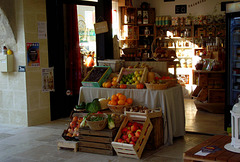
47,80
33,58
168,0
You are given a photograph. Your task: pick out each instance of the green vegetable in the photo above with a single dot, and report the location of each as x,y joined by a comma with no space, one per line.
94,106
83,123
111,123
81,106
96,118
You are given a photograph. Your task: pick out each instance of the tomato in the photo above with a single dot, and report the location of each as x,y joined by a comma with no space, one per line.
140,86
123,86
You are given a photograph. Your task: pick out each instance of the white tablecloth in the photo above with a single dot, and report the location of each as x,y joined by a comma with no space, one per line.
170,100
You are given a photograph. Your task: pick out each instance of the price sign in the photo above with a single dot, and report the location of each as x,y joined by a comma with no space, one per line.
180,9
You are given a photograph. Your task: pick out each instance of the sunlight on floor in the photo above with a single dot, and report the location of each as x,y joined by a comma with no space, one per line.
202,121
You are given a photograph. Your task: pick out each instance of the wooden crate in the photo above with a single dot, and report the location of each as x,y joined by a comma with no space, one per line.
128,150
125,71
68,145
98,142
156,138
216,95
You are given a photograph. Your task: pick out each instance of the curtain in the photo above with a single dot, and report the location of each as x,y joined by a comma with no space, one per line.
73,57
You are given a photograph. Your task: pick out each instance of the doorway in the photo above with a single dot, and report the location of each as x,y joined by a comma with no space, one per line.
63,101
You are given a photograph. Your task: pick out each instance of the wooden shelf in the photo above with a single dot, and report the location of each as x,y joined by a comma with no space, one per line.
205,71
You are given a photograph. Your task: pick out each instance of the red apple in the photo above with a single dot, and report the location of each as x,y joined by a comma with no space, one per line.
128,140
70,130
75,118
124,130
129,124
133,143
124,137
130,135
119,140
134,128
137,133
128,128
141,127
135,123
134,139
128,132
73,124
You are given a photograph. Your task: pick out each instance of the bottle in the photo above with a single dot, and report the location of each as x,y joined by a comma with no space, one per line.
4,50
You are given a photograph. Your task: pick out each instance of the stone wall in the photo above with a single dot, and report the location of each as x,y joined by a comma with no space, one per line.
22,101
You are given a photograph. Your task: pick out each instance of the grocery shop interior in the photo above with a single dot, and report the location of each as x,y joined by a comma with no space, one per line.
71,67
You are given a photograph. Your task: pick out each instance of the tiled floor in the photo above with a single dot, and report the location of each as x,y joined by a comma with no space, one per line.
202,121
39,143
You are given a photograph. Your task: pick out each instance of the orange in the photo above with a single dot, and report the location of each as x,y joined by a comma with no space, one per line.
103,85
109,102
122,97
129,101
114,97
114,102
108,84
118,94
121,102
114,83
114,79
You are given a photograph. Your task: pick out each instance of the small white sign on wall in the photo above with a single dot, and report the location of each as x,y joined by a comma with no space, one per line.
42,30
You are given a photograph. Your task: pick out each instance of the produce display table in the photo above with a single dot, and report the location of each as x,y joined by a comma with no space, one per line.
170,100
221,154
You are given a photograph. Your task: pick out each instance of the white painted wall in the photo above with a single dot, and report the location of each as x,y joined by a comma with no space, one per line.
168,8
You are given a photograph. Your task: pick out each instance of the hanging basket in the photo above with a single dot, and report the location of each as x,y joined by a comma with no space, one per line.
161,51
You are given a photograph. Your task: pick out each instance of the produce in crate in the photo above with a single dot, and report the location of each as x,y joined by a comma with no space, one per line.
131,133
132,78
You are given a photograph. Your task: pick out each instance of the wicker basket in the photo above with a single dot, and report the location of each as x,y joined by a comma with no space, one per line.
156,86
118,109
97,125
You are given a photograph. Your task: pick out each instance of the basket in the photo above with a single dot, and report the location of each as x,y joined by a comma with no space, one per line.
156,86
97,125
118,109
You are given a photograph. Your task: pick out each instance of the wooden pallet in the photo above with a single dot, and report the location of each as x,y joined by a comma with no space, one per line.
98,142
68,145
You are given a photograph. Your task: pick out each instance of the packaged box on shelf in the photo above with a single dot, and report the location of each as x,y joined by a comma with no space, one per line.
116,65
97,76
129,150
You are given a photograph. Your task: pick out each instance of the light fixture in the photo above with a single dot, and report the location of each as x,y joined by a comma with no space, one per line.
234,146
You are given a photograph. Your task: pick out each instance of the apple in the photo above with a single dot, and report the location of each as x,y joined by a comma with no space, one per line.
134,128
124,137
119,140
75,118
133,143
141,127
128,132
129,128
70,130
130,135
129,124
135,124
128,140
124,130
134,139
137,133
73,124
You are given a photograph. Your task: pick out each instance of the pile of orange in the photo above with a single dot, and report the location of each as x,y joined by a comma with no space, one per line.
120,99
108,84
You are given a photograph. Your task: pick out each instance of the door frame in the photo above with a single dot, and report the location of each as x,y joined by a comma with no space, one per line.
56,55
